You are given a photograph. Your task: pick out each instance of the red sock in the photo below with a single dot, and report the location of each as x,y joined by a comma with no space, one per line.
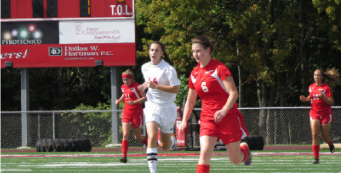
201,168
145,140
316,150
330,143
125,145
245,150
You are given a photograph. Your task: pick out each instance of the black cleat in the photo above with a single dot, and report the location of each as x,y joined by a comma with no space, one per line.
316,161
332,148
123,160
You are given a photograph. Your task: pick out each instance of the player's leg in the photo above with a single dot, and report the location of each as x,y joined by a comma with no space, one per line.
152,131
137,124
207,144
126,131
325,128
139,136
239,152
315,130
167,138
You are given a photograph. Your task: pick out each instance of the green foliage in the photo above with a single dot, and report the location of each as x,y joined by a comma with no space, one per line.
276,44
95,126
183,90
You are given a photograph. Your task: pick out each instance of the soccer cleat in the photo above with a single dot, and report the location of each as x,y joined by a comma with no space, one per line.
316,161
174,145
248,158
332,148
123,160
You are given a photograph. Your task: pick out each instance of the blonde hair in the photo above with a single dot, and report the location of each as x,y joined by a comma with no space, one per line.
130,73
330,76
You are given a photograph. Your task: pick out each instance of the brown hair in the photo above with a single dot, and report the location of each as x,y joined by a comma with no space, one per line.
330,76
130,73
205,41
163,47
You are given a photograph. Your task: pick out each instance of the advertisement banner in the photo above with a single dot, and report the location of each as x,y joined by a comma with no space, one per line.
68,43
119,31
68,55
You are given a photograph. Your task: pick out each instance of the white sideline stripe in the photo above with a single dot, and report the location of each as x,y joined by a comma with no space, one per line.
215,154
16,170
87,164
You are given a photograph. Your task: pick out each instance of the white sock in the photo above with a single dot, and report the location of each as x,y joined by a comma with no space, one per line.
152,159
172,139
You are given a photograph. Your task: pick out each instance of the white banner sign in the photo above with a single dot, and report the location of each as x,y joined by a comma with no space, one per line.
75,32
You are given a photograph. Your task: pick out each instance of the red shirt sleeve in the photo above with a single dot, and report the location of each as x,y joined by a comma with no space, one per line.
223,72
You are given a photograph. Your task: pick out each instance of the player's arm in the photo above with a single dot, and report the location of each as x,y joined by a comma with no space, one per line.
305,99
170,89
189,105
142,87
142,99
120,99
231,100
328,100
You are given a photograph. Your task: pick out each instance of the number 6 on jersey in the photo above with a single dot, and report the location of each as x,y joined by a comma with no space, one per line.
204,87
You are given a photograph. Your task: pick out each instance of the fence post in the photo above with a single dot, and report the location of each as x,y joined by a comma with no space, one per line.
53,125
24,107
39,126
114,126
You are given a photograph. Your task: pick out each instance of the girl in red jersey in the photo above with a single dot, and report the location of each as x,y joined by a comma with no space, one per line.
219,118
132,115
321,114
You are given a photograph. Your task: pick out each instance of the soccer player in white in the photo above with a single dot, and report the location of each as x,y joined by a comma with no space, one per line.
160,110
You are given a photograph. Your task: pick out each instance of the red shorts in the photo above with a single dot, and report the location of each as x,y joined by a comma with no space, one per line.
230,129
135,119
324,119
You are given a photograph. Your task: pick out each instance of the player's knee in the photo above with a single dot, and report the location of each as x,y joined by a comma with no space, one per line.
315,135
125,136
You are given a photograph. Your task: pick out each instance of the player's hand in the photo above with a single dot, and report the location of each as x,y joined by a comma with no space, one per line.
182,128
303,98
117,101
142,87
321,95
130,102
219,115
151,84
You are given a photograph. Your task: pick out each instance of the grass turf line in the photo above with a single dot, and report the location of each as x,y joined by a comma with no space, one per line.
184,164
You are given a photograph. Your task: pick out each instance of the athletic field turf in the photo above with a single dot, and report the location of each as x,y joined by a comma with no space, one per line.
180,162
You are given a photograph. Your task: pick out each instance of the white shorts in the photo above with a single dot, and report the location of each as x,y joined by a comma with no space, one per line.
163,114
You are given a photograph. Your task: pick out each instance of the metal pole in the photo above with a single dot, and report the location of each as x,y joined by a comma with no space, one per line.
53,126
275,128
114,84
24,106
38,126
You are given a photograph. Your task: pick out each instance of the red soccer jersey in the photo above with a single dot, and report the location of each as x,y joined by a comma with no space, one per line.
318,106
208,83
131,93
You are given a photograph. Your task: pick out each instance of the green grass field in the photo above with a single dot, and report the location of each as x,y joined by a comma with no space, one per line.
108,162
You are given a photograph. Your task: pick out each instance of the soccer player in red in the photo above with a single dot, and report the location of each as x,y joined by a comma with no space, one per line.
212,81
132,115
321,114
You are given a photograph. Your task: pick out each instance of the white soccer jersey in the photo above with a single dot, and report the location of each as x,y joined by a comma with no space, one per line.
162,74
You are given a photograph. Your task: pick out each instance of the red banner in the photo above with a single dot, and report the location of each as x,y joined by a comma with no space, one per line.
68,55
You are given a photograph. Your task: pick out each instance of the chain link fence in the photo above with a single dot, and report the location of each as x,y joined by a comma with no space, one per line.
285,125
